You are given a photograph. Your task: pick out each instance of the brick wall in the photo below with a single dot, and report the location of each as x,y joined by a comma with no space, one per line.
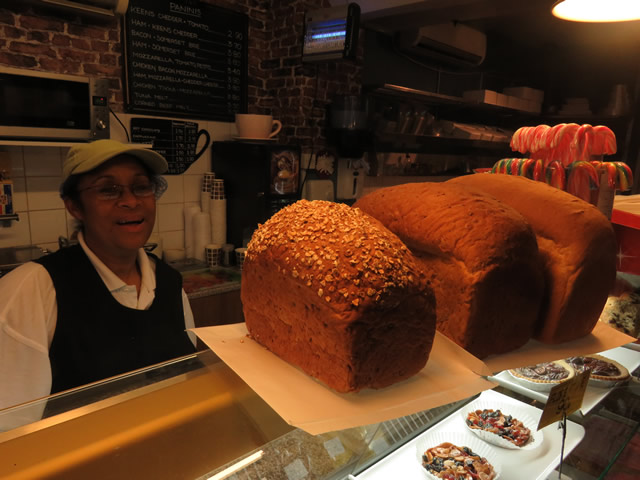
279,83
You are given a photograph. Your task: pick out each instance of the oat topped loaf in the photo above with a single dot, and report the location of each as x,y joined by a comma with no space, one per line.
332,291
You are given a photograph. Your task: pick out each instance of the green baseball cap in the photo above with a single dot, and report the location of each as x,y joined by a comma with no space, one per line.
85,157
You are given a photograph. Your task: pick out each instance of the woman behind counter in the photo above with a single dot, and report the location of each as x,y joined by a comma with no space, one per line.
102,307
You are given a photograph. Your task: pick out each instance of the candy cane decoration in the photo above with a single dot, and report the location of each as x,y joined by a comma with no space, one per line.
582,178
555,175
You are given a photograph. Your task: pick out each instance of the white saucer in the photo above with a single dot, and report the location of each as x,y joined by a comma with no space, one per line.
249,139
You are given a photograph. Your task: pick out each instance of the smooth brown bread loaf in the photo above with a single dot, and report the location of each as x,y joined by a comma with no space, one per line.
577,248
481,256
329,289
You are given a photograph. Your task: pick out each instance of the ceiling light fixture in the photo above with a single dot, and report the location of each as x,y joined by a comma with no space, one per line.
597,10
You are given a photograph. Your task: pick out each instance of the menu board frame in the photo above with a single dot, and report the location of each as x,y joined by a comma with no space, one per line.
168,72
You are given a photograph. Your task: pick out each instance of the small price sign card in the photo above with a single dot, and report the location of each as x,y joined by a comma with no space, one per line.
564,399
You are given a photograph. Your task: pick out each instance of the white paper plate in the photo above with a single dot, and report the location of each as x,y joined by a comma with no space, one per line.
516,412
459,439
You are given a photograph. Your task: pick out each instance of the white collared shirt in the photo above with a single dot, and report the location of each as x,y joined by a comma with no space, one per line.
28,316
126,295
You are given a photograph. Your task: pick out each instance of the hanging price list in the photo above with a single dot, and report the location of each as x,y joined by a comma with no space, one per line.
185,59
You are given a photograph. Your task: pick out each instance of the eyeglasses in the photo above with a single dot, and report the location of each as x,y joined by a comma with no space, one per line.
114,191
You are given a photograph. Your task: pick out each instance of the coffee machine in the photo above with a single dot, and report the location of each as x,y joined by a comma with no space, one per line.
260,178
349,133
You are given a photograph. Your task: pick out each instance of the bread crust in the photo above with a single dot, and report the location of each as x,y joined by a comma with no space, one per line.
577,246
481,255
329,289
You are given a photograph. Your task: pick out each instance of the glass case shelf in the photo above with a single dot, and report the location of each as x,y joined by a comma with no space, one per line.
194,418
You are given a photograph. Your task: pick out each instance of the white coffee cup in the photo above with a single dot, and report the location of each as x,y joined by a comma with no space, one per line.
251,125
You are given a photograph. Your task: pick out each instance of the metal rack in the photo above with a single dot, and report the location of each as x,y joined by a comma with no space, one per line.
5,220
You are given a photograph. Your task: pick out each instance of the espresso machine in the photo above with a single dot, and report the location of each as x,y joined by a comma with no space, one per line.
260,178
349,133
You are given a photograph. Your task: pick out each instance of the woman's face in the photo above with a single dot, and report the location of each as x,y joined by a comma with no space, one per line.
116,227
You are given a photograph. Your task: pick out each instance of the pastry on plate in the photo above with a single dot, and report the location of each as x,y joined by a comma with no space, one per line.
498,428
605,372
449,461
543,376
622,312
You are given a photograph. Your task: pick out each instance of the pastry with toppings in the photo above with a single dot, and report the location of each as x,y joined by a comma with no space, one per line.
622,312
543,376
330,290
605,372
451,462
497,428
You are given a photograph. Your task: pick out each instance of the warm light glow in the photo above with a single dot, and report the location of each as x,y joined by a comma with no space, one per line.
227,472
597,10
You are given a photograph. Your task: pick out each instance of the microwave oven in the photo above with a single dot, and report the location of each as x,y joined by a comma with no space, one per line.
38,105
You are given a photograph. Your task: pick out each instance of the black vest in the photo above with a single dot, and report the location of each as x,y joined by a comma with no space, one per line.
96,337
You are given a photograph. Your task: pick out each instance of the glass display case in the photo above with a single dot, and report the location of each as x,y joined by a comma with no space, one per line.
193,418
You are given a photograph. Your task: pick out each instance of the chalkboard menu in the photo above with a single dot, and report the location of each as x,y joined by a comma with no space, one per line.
185,59
175,140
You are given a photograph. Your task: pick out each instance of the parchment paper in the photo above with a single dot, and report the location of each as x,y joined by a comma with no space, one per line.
307,404
603,337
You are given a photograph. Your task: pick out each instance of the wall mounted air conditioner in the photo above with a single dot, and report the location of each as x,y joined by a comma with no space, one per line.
449,43
92,8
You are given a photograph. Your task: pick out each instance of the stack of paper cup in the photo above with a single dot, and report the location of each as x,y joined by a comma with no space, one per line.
207,181
240,254
213,252
218,212
205,194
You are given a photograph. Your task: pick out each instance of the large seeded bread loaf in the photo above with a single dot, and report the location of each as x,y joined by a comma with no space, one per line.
330,290
481,256
577,247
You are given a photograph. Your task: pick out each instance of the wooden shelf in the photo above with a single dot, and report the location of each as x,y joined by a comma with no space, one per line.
433,98
390,142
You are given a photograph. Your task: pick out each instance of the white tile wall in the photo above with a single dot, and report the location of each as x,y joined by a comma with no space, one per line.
173,239
16,156
43,161
37,171
42,193
20,194
170,217
47,225
17,234
175,190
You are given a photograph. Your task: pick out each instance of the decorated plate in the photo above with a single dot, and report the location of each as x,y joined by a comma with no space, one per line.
459,439
511,415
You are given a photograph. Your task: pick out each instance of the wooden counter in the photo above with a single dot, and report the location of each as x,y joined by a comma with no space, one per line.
214,296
